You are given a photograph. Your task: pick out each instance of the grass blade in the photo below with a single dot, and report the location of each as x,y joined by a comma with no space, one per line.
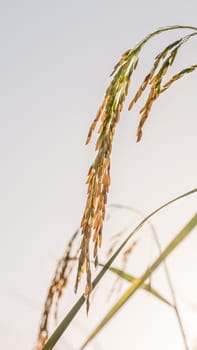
139,282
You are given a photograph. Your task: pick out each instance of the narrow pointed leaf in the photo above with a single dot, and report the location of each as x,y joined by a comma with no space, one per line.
139,282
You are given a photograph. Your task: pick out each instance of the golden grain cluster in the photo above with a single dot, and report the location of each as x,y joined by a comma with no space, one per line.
98,180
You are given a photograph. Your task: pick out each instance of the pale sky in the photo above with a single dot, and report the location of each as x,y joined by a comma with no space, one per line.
56,57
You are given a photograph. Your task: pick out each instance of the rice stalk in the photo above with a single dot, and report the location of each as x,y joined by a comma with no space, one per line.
99,174
98,179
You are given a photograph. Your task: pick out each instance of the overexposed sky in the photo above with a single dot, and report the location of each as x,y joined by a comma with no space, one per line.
55,61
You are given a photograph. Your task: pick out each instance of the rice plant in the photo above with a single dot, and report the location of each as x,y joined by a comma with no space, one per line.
85,253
